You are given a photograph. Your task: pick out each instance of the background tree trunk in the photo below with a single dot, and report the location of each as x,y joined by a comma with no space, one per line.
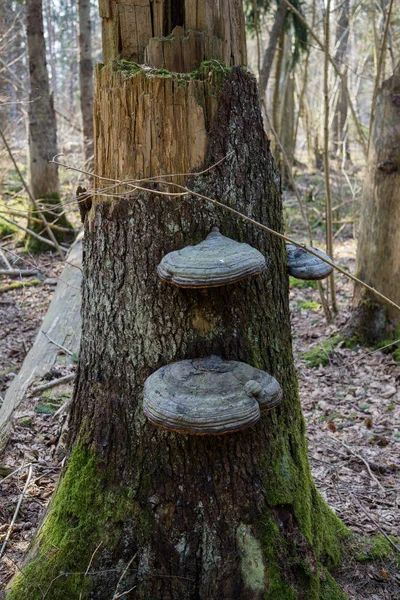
339,124
43,176
269,54
378,251
191,517
86,78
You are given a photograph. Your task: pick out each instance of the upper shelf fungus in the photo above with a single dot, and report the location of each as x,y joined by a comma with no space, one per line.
216,261
303,265
209,396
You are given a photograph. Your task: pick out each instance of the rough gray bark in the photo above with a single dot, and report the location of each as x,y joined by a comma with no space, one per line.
43,177
86,77
378,250
42,129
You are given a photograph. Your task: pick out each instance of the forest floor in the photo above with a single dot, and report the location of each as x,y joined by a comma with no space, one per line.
351,405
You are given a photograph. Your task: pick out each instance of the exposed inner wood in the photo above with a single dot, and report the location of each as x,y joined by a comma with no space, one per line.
172,34
158,125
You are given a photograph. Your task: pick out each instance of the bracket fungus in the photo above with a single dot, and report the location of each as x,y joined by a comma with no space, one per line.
216,261
303,265
208,396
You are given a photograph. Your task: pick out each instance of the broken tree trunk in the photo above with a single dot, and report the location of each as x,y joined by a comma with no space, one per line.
148,513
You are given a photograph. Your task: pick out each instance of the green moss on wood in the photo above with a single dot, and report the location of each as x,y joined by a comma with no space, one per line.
16,285
83,514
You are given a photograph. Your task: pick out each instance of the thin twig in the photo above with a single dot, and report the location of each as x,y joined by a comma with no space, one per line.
54,382
115,596
5,260
16,471
187,192
342,78
28,479
32,233
90,564
360,458
370,517
57,344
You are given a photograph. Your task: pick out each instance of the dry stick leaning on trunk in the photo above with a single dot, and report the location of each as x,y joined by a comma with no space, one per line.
324,303
60,251
361,135
187,192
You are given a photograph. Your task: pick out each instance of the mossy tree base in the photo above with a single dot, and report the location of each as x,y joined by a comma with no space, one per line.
34,245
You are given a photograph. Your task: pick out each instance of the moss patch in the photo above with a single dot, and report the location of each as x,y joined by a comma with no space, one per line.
302,284
321,354
376,548
20,284
82,514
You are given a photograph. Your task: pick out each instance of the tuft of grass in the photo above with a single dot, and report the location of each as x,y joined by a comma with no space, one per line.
310,305
320,355
302,284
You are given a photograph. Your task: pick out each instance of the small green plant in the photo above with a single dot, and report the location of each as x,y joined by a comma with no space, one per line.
321,354
310,305
376,548
302,284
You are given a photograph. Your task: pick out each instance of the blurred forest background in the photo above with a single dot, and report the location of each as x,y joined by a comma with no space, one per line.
329,78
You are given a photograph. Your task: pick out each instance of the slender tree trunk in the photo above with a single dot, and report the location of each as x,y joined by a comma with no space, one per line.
50,38
339,124
161,515
86,78
269,54
43,176
378,251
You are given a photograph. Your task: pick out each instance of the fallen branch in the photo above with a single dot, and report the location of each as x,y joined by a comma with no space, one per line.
18,272
5,260
370,517
15,471
349,449
36,235
54,382
28,479
57,344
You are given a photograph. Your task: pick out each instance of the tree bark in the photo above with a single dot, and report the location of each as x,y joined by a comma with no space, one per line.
42,130
180,516
339,124
269,54
378,251
86,78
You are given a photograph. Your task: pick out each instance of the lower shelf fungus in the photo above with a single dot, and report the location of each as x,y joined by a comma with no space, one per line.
303,265
208,396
